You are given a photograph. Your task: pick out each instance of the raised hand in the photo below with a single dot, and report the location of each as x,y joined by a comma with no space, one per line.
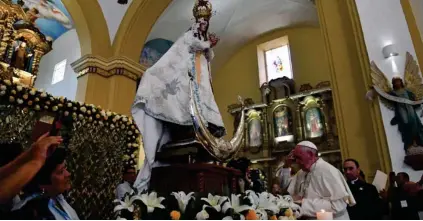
213,40
44,145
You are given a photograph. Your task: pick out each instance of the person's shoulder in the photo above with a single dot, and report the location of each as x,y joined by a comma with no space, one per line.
121,185
369,186
325,168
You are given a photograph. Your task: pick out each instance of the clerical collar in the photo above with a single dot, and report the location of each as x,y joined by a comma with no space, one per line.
354,181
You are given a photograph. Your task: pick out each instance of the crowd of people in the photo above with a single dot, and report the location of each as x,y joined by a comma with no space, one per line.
34,180
318,185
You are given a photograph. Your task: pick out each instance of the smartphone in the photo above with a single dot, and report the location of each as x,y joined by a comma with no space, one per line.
47,123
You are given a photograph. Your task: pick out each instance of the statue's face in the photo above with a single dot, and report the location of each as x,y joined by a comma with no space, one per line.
203,25
23,44
397,84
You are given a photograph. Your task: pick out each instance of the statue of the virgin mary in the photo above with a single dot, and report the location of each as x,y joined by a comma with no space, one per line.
163,96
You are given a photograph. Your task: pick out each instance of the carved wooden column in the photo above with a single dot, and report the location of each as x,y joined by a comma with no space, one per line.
110,83
360,126
36,62
7,38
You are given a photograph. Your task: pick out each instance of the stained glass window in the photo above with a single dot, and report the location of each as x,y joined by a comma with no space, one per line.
278,63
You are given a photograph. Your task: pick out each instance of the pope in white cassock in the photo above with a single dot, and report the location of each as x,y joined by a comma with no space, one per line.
163,95
318,185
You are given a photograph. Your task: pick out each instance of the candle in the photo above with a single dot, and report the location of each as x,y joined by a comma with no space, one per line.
323,215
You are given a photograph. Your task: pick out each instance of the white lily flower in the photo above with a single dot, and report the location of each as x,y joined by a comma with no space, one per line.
261,214
151,201
125,204
235,204
202,215
215,201
230,217
266,203
253,197
183,199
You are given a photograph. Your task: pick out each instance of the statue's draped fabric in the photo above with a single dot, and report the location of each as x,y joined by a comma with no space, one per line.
408,121
164,88
164,96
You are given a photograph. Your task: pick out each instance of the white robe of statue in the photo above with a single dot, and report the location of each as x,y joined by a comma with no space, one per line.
164,95
323,188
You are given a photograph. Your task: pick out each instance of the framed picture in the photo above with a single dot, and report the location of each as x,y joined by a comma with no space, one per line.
254,129
282,121
313,119
313,123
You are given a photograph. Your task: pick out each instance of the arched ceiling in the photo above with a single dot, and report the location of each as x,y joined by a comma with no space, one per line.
235,21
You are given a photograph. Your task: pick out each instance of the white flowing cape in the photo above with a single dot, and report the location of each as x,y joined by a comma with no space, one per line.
164,93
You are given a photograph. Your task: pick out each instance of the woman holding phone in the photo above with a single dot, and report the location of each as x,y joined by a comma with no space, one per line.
43,197
16,174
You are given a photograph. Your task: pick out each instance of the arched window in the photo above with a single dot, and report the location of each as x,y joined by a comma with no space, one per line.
274,60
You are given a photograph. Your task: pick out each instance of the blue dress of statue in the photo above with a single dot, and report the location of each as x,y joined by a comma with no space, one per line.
409,124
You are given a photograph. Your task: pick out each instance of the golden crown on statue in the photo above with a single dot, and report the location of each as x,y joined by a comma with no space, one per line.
202,9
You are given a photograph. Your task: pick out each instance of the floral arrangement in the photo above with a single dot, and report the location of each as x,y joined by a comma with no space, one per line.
179,205
31,99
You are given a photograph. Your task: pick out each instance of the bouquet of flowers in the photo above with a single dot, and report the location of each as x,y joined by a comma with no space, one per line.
179,205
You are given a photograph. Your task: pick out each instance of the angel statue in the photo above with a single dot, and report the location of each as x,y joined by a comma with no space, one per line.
403,97
175,94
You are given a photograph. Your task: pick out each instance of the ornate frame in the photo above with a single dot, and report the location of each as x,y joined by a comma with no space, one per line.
306,104
283,140
256,114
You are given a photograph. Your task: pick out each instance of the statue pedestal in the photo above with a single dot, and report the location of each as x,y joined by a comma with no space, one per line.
197,177
414,158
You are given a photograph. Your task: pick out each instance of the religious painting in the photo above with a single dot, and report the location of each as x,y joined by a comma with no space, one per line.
282,121
314,123
153,50
278,63
49,16
254,130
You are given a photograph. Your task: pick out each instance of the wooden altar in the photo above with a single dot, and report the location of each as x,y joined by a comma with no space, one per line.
196,177
284,118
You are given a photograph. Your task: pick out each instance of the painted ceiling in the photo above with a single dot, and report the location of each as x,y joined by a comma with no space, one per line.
52,18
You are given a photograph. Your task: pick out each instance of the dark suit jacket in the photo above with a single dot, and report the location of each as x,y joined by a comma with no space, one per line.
369,204
403,205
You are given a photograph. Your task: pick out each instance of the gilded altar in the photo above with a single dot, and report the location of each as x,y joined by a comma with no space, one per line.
273,127
21,44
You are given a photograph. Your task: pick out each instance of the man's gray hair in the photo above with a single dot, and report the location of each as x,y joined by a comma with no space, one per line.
309,149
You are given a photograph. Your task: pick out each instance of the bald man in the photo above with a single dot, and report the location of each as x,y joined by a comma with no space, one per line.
318,185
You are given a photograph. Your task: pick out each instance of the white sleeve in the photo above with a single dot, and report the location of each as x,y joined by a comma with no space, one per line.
309,207
120,192
285,177
210,54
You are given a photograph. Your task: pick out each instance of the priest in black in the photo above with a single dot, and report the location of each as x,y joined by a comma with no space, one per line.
369,205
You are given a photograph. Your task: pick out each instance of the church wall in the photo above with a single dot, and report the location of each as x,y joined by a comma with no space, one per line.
239,76
65,47
417,7
388,26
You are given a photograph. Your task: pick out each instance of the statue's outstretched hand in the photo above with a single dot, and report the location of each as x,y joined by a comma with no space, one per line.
213,40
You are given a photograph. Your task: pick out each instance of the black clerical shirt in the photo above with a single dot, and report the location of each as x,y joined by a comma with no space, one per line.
369,205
